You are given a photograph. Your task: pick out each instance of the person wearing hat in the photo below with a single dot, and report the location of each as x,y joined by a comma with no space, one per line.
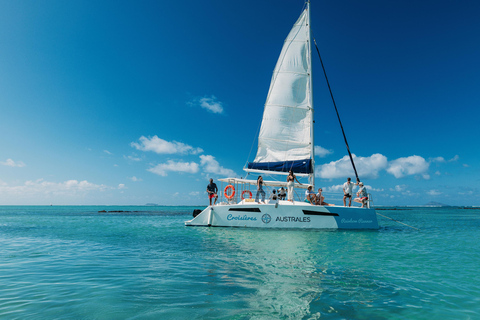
362,195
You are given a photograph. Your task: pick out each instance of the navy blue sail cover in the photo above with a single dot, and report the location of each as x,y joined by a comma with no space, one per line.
298,166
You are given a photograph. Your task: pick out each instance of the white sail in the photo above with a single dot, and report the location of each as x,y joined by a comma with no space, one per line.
286,134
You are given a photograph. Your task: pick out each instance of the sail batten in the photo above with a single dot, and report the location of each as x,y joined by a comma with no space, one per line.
286,133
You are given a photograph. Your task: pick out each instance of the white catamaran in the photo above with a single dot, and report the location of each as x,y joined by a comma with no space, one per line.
285,143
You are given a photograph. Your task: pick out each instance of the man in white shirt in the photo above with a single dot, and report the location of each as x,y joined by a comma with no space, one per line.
347,192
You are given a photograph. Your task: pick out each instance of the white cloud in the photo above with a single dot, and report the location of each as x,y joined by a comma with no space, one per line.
333,189
107,152
133,158
11,163
322,152
434,192
38,187
455,158
211,104
367,167
438,159
399,188
339,189
207,162
409,166
211,166
122,186
135,179
161,146
163,168
465,165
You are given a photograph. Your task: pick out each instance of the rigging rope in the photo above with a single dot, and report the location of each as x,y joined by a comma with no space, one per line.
396,221
334,104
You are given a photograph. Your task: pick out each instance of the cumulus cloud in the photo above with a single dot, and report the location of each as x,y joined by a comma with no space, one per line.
11,163
207,163
455,158
443,160
211,104
322,152
70,187
210,165
333,189
161,146
339,189
413,165
163,168
135,179
367,167
133,158
434,192
399,188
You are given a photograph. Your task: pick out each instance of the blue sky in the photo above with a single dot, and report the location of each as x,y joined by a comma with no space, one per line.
134,102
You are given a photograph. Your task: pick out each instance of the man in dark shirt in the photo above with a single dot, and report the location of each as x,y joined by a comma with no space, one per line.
212,192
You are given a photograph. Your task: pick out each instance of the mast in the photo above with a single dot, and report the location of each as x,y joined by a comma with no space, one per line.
312,141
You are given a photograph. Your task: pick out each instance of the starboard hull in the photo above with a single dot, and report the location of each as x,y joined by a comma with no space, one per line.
286,215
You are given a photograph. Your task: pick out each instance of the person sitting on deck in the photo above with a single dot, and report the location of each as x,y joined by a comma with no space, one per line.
362,195
310,195
281,193
319,199
273,196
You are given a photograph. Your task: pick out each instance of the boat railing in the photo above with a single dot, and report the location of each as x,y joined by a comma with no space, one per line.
370,201
335,198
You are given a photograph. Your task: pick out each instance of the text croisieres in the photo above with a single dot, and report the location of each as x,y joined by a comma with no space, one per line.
244,217
293,219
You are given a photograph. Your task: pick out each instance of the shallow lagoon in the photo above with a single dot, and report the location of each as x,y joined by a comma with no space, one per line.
143,263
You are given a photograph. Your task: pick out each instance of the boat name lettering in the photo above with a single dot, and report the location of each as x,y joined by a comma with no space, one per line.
356,221
293,219
244,217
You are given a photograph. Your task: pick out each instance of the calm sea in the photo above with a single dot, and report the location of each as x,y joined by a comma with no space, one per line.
78,263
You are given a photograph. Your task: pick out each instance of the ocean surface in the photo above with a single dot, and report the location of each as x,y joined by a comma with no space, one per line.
74,262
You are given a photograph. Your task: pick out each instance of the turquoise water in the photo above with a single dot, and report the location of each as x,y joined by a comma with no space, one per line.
77,263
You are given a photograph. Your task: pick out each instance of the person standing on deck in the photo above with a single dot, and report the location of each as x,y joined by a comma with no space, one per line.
290,183
347,192
260,189
212,192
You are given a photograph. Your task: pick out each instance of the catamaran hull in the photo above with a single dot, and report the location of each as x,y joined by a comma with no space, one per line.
286,215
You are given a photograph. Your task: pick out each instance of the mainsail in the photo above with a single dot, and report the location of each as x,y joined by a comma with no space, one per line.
285,141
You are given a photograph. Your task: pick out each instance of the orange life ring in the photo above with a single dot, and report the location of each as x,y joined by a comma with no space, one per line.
225,192
249,194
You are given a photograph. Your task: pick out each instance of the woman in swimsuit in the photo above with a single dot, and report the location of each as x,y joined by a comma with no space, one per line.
290,183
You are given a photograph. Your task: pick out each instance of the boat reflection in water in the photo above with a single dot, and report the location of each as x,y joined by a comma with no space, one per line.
285,273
